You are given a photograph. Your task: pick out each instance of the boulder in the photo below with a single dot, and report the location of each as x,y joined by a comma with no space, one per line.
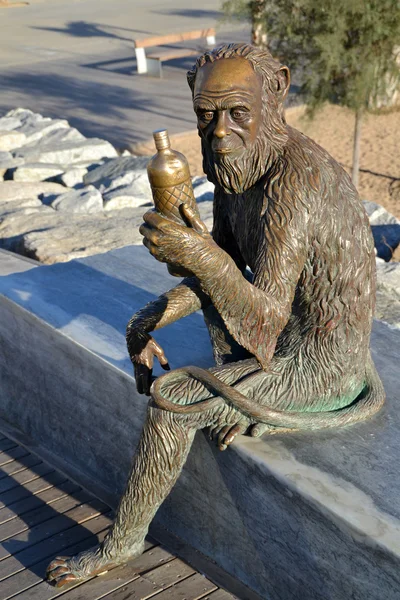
53,236
66,152
73,177
15,190
385,229
85,201
36,129
9,123
203,189
5,159
128,190
36,172
10,140
104,176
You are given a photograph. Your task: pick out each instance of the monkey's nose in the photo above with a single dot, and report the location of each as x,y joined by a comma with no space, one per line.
221,130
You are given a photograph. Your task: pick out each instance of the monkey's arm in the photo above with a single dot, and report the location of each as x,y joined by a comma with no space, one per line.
181,301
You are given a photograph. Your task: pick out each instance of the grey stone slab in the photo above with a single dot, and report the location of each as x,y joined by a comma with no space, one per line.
52,236
9,140
73,177
307,515
16,190
104,176
36,172
84,201
67,152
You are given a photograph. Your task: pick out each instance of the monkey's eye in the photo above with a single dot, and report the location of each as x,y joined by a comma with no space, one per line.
206,117
238,114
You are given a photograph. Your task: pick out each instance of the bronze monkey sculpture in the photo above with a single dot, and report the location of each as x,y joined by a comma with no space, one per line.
286,283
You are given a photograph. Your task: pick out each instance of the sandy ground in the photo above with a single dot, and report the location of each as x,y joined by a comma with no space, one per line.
333,128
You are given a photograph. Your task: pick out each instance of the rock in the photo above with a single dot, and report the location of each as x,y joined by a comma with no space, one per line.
203,189
10,140
385,229
67,152
59,236
9,123
36,172
35,129
15,190
5,159
52,236
104,176
124,197
84,201
388,293
129,190
73,177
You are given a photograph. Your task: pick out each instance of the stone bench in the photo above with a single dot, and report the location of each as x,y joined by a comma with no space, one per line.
311,516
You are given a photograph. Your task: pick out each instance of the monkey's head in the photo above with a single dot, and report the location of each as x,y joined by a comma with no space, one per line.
238,91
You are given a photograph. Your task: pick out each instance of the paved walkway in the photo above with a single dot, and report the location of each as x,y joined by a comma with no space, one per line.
43,514
76,60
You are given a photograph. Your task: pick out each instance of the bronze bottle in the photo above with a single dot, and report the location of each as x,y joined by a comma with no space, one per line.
171,184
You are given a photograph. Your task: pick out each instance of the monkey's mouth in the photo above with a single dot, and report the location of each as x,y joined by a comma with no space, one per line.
225,150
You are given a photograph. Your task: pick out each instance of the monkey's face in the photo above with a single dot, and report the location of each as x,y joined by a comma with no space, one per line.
227,100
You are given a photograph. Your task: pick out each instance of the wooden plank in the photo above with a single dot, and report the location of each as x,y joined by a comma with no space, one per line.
32,579
33,487
173,38
8,483
151,583
31,502
10,455
156,556
192,588
51,527
42,514
87,590
220,595
139,589
19,465
169,573
49,548
7,444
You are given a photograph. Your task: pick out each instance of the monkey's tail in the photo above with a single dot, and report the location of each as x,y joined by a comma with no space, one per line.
368,402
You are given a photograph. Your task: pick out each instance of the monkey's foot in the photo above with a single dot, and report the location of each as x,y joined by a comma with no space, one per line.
66,571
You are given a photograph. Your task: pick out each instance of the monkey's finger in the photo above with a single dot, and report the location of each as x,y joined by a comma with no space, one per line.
260,428
154,250
143,379
191,219
159,352
157,221
150,234
231,435
221,437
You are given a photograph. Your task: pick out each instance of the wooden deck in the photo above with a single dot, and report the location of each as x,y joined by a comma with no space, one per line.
43,514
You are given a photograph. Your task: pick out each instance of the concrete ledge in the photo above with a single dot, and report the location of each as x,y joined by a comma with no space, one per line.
313,516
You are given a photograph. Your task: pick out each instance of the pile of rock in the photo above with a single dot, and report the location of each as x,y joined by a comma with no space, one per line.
64,196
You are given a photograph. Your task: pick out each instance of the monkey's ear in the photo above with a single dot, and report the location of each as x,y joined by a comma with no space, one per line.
282,82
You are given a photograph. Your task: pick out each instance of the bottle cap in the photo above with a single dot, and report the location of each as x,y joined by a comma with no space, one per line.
161,139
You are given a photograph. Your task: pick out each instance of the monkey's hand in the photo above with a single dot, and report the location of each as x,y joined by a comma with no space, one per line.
170,242
228,424
142,352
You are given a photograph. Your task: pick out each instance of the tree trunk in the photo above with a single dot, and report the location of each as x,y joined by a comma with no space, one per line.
356,147
258,33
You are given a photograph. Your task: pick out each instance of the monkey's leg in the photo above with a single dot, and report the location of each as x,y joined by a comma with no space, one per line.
160,457
161,454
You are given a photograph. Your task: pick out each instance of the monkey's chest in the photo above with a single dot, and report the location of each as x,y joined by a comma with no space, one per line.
246,230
